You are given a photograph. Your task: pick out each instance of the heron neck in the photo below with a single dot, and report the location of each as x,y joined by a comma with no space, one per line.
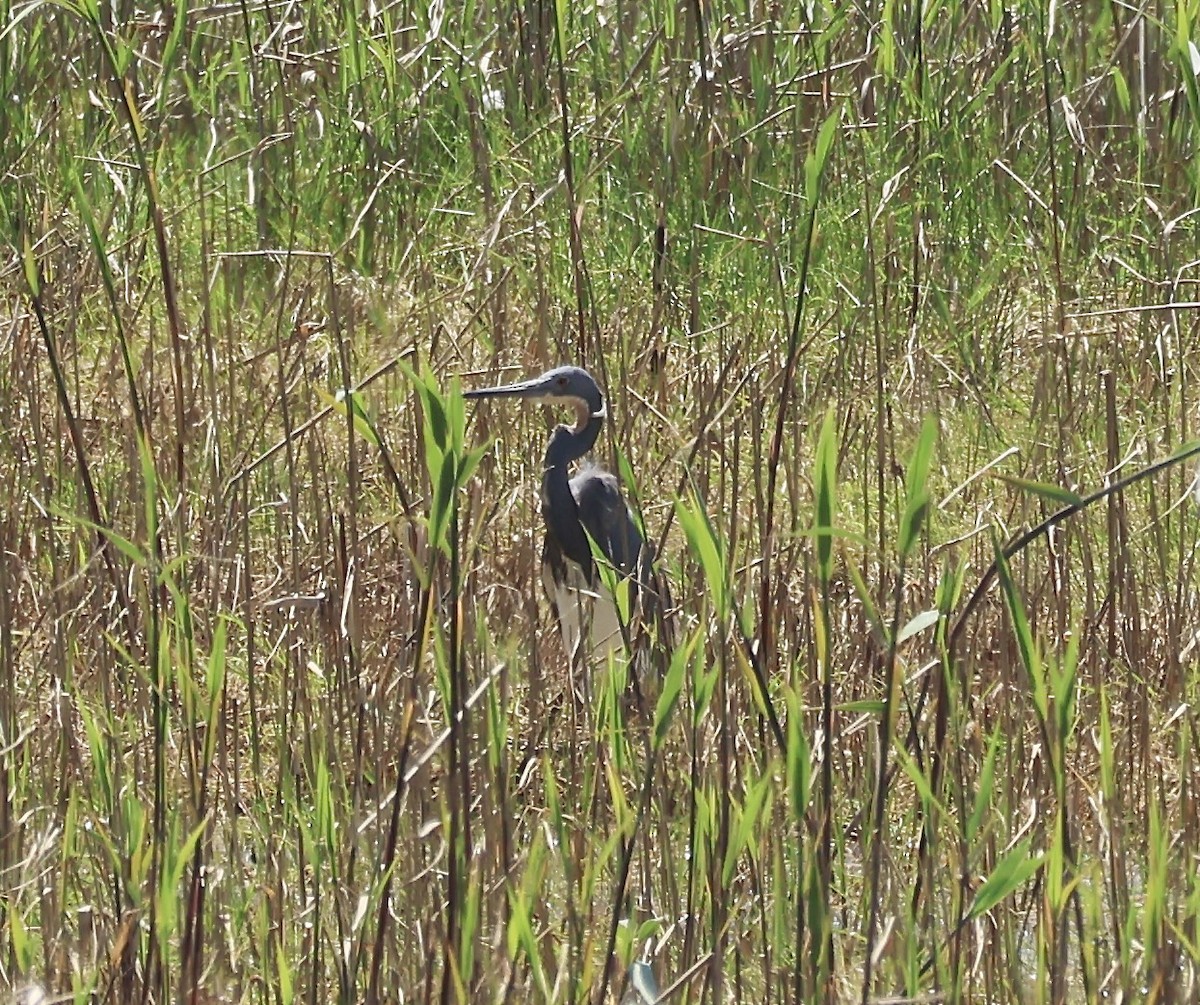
558,504
568,444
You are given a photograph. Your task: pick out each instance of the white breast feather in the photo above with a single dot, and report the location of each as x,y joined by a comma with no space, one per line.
585,612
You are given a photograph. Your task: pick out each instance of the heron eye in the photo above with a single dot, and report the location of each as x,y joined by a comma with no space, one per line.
562,381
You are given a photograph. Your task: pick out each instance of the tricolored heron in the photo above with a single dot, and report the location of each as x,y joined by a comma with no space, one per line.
590,503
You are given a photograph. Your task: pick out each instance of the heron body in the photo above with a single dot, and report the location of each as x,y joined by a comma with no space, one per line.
574,508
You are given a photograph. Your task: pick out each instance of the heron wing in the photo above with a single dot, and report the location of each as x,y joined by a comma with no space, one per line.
607,518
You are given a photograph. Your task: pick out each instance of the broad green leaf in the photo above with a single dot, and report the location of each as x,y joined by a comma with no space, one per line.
353,403
870,611
627,479
819,915
745,824
862,706
1054,493
950,586
818,156
704,684
99,754
468,464
1186,450
470,927
1107,760
170,49
286,990
799,763
216,688
704,545
983,795
1010,875
176,860
441,508
917,624
826,474
917,776
149,490
916,505
1065,679
110,288
127,548
1030,658
29,261
520,932
22,944
672,686
560,29
1121,89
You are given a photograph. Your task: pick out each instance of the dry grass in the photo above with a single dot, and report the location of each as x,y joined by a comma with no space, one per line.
270,731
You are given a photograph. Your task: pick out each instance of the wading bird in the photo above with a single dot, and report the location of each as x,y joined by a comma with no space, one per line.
590,503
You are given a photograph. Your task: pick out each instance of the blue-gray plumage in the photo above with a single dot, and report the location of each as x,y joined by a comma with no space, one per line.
590,503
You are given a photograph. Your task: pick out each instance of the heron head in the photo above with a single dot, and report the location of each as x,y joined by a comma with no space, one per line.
570,384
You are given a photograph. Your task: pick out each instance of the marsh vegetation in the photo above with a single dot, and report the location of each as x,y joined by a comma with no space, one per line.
873,291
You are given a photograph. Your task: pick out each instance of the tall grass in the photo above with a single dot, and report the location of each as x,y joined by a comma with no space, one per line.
895,309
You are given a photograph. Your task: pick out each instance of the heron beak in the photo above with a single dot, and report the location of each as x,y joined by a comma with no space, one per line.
541,388
523,389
